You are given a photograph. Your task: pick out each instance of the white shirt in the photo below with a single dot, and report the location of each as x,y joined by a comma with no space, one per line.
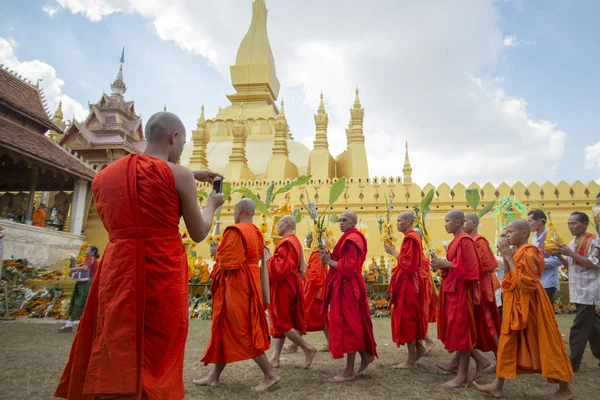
584,282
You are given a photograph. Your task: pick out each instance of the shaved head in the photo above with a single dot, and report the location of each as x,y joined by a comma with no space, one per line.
161,124
405,221
457,214
473,218
409,215
518,232
471,223
348,220
244,210
521,225
290,220
454,222
286,225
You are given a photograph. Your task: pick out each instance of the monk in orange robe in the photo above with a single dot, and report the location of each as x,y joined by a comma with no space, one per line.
429,297
286,311
314,283
239,325
459,293
407,294
530,342
345,303
39,216
131,339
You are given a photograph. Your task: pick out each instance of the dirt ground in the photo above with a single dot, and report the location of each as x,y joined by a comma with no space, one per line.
32,356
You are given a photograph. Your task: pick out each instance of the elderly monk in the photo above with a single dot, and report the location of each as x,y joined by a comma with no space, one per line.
459,293
407,292
286,311
314,283
239,325
131,339
429,299
345,303
529,339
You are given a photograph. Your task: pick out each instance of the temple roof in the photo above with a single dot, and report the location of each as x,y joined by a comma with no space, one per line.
24,98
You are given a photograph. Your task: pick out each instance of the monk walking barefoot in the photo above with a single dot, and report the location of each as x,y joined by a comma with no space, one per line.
286,311
407,294
314,289
237,301
529,339
429,301
345,302
458,294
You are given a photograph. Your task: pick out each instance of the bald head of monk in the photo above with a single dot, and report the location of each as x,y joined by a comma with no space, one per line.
454,221
471,224
348,220
244,211
405,221
165,136
308,240
517,232
286,226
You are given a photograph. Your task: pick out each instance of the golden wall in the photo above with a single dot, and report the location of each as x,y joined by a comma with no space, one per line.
366,198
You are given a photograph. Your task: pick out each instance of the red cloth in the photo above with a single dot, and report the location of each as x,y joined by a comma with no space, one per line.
314,283
239,325
92,264
489,309
131,338
407,293
345,303
429,303
459,292
286,311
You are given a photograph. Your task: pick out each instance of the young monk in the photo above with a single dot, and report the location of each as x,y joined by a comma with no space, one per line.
459,293
407,293
529,340
286,311
237,302
131,339
314,283
345,303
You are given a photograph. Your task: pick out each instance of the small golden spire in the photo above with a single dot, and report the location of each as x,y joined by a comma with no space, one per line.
282,112
165,108
321,105
357,100
201,121
407,170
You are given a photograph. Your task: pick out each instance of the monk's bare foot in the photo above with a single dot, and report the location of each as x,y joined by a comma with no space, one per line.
456,383
364,363
421,351
267,383
429,345
309,355
405,365
480,367
275,363
342,378
491,388
208,381
563,394
290,348
447,367
490,370
324,349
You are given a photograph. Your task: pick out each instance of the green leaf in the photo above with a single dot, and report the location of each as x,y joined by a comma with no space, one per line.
226,190
301,180
260,206
334,218
193,253
488,207
473,198
424,206
297,215
336,190
269,197
201,194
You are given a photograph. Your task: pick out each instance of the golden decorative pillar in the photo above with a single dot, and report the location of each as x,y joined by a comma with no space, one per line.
57,120
200,138
352,163
237,167
407,170
280,167
67,224
321,164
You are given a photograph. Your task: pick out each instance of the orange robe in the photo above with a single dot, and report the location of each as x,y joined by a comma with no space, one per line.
314,282
529,340
239,325
131,338
286,311
459,292
407,293
429,303
345,304
39,218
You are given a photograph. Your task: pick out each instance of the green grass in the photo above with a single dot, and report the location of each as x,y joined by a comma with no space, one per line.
32,356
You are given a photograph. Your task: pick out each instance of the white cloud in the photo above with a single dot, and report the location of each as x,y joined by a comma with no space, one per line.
50,9
50,83
512,41
418,64
592,156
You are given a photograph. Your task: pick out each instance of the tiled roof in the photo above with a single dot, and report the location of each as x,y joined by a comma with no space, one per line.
24,97
40,147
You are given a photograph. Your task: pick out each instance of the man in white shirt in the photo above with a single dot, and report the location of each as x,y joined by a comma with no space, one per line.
584,287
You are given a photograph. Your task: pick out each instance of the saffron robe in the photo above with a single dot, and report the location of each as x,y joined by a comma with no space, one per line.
131,338
239,325
459,292
314,283
39,218
286,311
345,303
529,339
407,293
429,303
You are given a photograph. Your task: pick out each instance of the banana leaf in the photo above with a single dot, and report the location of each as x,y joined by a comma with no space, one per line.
260,206
336,190
334,218
301,180
311,209
473,198
488,207
424,206
270,196
297,215
226,190
201,194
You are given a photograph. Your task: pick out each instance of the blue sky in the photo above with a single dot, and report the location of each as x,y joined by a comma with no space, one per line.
524,106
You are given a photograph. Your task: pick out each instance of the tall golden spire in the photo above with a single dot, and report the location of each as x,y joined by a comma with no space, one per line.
321,122
237,167
407,170
282,130
280,168
321,164
357,114
200,138
57,120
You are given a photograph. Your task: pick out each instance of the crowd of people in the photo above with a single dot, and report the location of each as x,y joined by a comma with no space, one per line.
131,338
